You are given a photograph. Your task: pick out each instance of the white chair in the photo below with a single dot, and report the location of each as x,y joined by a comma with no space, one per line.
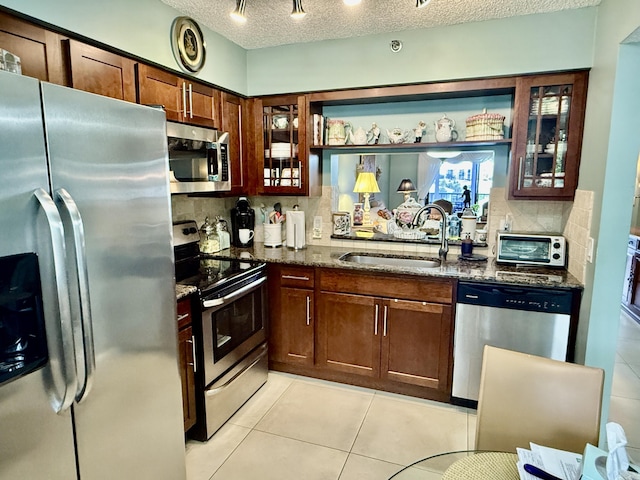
525,398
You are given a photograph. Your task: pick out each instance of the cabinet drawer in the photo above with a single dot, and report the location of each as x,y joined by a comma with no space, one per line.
299,277
405,287
184,312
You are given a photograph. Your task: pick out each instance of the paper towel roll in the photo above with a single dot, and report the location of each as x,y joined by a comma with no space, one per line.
296,235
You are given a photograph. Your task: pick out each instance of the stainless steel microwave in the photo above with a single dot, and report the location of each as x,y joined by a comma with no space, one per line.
544,249
198,159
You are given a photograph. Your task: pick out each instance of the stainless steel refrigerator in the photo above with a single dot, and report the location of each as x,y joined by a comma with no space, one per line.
84,193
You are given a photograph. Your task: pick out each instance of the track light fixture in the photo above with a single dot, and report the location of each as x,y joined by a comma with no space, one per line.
422,3
238,13
297,11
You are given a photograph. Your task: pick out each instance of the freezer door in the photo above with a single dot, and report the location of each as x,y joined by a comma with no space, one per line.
111,158
36,443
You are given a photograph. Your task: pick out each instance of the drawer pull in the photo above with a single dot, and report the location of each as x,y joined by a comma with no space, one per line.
294,277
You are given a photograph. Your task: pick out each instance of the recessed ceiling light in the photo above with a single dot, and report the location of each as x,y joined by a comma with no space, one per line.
422,3
351,3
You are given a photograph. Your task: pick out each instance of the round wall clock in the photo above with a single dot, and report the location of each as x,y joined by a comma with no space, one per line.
188,44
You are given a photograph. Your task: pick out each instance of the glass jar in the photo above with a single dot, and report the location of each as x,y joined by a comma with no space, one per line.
209,239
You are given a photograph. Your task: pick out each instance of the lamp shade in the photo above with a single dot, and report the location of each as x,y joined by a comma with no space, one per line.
366,183
406,185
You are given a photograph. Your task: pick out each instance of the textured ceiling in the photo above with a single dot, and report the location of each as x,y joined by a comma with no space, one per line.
269,24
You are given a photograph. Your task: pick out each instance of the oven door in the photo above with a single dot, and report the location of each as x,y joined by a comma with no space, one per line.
232,326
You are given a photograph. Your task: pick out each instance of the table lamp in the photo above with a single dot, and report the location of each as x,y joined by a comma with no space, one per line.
366,184
406,187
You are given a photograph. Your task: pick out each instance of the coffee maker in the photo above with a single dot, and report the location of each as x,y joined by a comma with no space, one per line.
242,217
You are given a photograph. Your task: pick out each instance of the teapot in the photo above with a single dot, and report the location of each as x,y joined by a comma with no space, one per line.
397,135
445,129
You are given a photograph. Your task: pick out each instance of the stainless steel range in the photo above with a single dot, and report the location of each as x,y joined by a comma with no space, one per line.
231,347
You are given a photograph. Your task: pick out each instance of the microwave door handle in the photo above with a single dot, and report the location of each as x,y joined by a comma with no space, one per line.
212,161
229,298
67,362
65,200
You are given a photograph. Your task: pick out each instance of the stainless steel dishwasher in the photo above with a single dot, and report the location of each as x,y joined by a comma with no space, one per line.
525,319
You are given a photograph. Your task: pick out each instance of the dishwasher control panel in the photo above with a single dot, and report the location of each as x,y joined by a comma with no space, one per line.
533,298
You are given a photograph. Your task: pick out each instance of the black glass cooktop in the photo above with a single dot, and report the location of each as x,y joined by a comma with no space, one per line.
215,275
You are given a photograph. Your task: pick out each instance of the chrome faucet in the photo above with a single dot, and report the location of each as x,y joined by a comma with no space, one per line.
444,245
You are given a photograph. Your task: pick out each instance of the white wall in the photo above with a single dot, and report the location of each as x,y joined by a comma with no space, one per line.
533,43
141,28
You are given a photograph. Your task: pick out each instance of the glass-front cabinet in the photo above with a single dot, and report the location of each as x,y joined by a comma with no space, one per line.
549,121
283,149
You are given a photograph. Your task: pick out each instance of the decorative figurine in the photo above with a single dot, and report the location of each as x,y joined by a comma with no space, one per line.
358,214
419,131
373,135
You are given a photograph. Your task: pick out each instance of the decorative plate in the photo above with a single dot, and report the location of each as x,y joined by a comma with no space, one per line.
188,44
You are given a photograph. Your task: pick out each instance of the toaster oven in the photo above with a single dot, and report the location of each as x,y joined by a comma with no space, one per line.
544,249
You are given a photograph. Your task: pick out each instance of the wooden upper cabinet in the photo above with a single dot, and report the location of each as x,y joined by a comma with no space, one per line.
549,120
157,87
183,100
283,165
40,50
101,72
233,111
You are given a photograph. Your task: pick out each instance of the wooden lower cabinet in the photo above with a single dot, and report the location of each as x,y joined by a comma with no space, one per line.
349,333
186,363
291,336
387,332
416,337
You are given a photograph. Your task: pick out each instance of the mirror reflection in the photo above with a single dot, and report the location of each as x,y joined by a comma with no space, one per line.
446,177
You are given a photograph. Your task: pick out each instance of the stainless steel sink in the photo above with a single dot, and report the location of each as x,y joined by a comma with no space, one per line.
388,260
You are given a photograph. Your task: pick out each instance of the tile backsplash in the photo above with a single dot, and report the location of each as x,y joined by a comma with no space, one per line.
573,219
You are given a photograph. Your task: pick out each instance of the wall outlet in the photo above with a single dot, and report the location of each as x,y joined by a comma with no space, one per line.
590,249
317,227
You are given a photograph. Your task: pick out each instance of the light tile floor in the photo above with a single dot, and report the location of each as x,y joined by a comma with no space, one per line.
296,427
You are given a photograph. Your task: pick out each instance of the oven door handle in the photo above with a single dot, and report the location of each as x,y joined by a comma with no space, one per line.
229,298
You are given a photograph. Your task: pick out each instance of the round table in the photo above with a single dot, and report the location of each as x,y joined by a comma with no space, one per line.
462,465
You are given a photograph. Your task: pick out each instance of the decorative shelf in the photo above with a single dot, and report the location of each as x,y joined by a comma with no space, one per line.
413,147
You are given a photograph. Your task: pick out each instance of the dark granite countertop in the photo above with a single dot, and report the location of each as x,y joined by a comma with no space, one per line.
481,271
184,290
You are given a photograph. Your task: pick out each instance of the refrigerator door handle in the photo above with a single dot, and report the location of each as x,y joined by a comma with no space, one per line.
68,361
65,200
